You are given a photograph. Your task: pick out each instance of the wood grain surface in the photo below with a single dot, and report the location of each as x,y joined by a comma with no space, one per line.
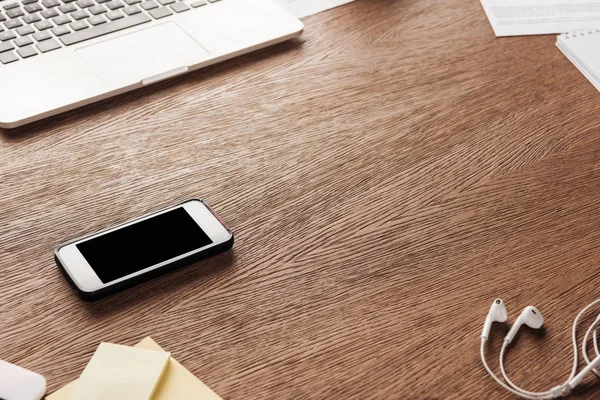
387,176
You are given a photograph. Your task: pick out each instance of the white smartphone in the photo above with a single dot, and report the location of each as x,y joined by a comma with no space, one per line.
125,255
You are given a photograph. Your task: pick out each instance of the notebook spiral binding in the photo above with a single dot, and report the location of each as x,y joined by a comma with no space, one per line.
580,33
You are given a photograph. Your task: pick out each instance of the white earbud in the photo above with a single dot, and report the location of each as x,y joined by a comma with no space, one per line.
497,313
531,317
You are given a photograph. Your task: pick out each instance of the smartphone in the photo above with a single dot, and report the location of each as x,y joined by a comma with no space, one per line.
136,251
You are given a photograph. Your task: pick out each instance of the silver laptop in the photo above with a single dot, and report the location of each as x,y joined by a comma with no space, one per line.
56,55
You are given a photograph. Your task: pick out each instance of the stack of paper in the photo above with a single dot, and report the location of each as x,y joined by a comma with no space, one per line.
533,17
583,49
131,373
536,17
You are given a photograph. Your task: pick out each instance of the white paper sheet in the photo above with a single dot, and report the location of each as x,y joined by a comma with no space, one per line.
304,8
536,17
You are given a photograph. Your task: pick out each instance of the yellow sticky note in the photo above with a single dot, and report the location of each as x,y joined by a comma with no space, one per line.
177,382
118,372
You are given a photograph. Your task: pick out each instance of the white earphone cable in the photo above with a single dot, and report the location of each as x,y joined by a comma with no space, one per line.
498,381
595,338
574,338
538,394
584,345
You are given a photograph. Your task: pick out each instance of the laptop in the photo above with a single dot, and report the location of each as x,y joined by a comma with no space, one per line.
56,55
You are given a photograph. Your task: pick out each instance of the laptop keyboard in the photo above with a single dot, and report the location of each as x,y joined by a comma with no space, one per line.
32,27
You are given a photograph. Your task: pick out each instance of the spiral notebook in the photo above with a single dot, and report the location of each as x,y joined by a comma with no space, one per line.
582,48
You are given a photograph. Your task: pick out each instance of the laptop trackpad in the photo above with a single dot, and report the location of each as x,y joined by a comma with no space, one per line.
128,59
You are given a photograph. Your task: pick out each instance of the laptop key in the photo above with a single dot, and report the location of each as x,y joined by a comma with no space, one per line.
114,15
50,13
43,25
166,2
132,10
78,25
97,20
67,8
6,46
149,5
23,41
99,9
160,12
48,45
41,36
15,13
132,2
25,2
50,3
11,6
114,5
32,8
85,3
27,52
104,29
25,30
31,18
60,30
61,20
179,7
198,3
13,23
2,17
8,57
81,14
7,35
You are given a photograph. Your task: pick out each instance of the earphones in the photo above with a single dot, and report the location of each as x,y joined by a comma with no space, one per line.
532,317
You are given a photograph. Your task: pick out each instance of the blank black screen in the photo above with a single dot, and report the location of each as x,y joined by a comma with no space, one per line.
143,244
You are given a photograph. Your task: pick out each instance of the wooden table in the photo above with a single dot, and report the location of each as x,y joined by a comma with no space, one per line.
386,176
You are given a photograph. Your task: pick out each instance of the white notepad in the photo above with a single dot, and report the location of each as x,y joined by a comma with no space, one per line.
582,48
